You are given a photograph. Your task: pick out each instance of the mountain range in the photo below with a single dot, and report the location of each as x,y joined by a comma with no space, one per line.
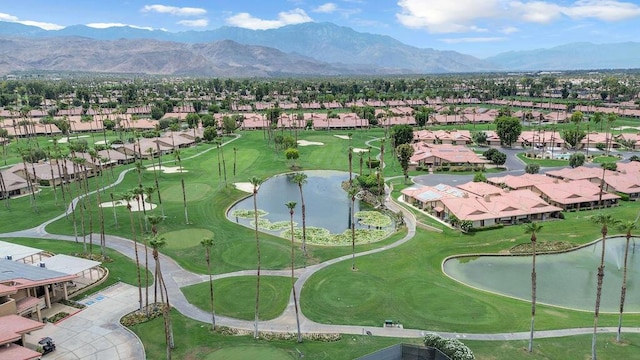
309,49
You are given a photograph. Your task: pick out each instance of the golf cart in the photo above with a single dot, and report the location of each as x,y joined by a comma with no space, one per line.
47,345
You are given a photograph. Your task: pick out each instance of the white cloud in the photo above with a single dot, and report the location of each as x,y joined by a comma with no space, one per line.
438,16
247,21
326,8
42,25
7,17
173,10
194,23
110,25
607,10
536,11
509,30
471,40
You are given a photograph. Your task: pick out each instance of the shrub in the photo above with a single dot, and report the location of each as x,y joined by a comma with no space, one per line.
453,348
485,228
374,164
600,146
532,168
623,196
634,158
418,168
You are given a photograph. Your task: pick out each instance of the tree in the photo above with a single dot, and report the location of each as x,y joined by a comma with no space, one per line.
301,179
210,133
532,168
401,134
610,120
292,155
207,244
229,124
479,177
158,243
573,137
597,119
256,182
508,129
496,157
127,197
576,159
405,152
605,221
352,196
479,137
192,120
291,206
533,228
627,227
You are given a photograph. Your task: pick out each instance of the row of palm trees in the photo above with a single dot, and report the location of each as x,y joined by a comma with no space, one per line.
605,221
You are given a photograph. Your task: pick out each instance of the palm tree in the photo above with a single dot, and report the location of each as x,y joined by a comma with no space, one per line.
291,206
605,221
301,179
350,166
153,220
207,244
627,227
157,243
610,119
255,181
128,196
533,228
352,196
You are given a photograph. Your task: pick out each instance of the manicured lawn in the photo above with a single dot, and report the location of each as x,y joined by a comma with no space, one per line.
572,347
605,159
406,284
543,162
194,340
235,296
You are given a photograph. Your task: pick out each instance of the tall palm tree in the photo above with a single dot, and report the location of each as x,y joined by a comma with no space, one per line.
627,227
610,119
301,179
350,166
127,197
255,181
157,243
605,221
533,228
153,220
291,206
207,244
352,196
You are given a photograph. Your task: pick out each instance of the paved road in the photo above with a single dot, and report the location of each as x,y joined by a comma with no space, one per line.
176,277
95,332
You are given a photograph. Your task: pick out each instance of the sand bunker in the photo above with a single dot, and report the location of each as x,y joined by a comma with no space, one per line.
168,169
359,150
102,142
64,140
308,143
133,202
244,186
626,127
344,137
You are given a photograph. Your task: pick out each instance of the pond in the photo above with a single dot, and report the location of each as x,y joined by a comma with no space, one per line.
566,280
328,207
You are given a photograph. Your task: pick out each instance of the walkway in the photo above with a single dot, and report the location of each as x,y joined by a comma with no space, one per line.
95,332
176,277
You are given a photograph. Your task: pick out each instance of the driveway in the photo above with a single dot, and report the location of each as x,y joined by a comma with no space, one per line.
95,332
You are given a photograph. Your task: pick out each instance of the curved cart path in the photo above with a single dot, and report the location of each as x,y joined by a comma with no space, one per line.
176,277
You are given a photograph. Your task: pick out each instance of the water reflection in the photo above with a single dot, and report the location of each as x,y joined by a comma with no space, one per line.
327,204
567,280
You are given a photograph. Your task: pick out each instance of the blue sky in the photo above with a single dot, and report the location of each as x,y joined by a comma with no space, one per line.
477,27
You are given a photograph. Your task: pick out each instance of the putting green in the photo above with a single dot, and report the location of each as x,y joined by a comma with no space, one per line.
185,238
195,191
249,352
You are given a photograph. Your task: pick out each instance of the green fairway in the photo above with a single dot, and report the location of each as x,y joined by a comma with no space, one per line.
249,352
185,238
194,191
235,296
